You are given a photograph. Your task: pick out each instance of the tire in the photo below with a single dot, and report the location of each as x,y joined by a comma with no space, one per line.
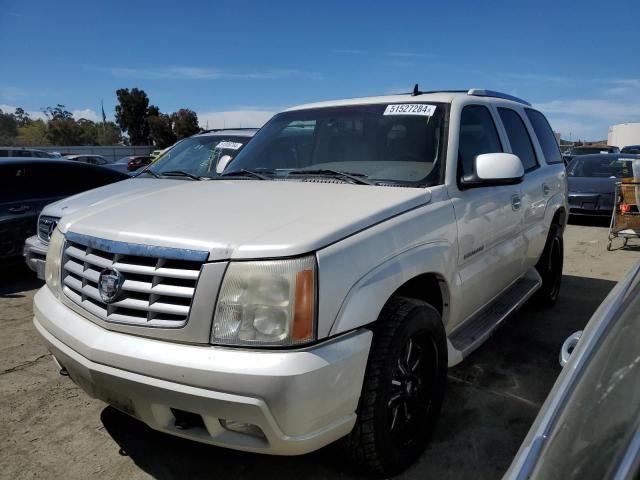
550,268
403,389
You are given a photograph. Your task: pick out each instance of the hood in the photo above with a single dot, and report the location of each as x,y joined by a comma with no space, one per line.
240,218
592,185
69,205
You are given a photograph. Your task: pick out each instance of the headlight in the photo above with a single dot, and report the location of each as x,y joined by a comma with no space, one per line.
54,259
267,303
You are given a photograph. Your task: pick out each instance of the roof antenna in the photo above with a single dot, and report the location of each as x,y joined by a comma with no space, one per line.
416,91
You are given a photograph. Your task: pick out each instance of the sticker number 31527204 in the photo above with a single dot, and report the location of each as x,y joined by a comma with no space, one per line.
410,109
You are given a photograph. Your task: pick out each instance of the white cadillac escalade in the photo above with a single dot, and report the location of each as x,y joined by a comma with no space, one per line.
318,288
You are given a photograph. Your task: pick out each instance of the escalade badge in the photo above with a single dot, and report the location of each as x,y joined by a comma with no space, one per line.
109,285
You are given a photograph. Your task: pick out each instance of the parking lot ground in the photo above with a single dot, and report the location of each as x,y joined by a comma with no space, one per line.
50,429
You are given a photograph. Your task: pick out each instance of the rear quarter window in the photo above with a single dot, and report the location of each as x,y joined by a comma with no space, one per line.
545,136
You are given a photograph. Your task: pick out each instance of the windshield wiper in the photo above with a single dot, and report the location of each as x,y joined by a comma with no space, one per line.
180,173
245,172
149,171
357,178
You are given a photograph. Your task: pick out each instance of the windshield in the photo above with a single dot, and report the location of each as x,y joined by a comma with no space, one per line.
199,155
397,142
603,411
600,167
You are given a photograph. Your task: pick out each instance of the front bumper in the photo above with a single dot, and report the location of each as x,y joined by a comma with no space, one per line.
35,254
301,400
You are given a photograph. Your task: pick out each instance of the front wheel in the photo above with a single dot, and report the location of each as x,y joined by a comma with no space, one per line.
403,388
550,268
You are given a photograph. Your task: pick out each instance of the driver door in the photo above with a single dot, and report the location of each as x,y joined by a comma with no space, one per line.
489,218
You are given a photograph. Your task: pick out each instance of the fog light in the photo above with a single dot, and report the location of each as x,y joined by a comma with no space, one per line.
241,427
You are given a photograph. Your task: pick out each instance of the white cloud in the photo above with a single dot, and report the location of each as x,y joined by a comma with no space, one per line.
602,109
622,86
197,73
574,130
35,114
536,78
10,93
86,113
234,118
403,55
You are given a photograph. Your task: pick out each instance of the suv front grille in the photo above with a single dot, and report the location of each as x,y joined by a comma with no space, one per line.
156,290
46,226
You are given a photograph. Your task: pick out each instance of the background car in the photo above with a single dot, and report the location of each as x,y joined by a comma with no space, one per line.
130,164
137,161
26,186
204,149
589,426
633,149
592,180
591,149
208,145
91,159
19,152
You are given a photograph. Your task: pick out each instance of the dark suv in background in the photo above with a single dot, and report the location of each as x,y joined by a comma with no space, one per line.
28,184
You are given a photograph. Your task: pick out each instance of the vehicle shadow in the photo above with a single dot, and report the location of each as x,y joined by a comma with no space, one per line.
164,456
16,278
491,400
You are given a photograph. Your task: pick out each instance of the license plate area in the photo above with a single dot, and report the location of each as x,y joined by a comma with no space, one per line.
113,398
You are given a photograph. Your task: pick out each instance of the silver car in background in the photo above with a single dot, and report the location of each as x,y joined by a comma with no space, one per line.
589,426
219,145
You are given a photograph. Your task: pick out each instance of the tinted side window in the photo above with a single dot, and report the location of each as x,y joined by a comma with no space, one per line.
478,135
519,138
14,184
545,136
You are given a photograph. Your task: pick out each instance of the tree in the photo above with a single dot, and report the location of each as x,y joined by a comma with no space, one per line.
63,131
59,112
8,128
109,134
161,131
185,123
22,117
34,134
132,113
86,132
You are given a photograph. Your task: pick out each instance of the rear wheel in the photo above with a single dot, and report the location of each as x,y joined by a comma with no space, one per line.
550,268
403,388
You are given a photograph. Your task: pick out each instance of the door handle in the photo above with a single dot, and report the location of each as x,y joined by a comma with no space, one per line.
515,202
20,209
546,189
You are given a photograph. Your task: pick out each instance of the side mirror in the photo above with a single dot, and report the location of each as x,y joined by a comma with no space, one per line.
493,169
222,163
568,346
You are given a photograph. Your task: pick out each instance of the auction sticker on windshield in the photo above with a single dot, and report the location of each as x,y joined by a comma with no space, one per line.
410,109
229,145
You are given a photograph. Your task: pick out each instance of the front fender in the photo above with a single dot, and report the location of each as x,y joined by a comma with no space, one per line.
366,298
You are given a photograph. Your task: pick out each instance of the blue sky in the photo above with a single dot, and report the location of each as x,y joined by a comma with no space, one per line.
238,62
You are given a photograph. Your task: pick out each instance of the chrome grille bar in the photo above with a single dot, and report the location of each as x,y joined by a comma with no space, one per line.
156,291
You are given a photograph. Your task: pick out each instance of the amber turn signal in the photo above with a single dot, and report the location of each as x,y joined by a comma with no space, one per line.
304,306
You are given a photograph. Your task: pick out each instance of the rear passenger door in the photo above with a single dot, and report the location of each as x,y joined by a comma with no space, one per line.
535,188
489,218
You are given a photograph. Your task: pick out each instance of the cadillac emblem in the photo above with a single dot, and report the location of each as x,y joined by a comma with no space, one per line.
110,284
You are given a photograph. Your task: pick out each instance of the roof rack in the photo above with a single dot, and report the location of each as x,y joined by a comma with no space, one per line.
481,92
226,128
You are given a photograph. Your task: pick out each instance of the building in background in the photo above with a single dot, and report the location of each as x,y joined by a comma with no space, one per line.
624,134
